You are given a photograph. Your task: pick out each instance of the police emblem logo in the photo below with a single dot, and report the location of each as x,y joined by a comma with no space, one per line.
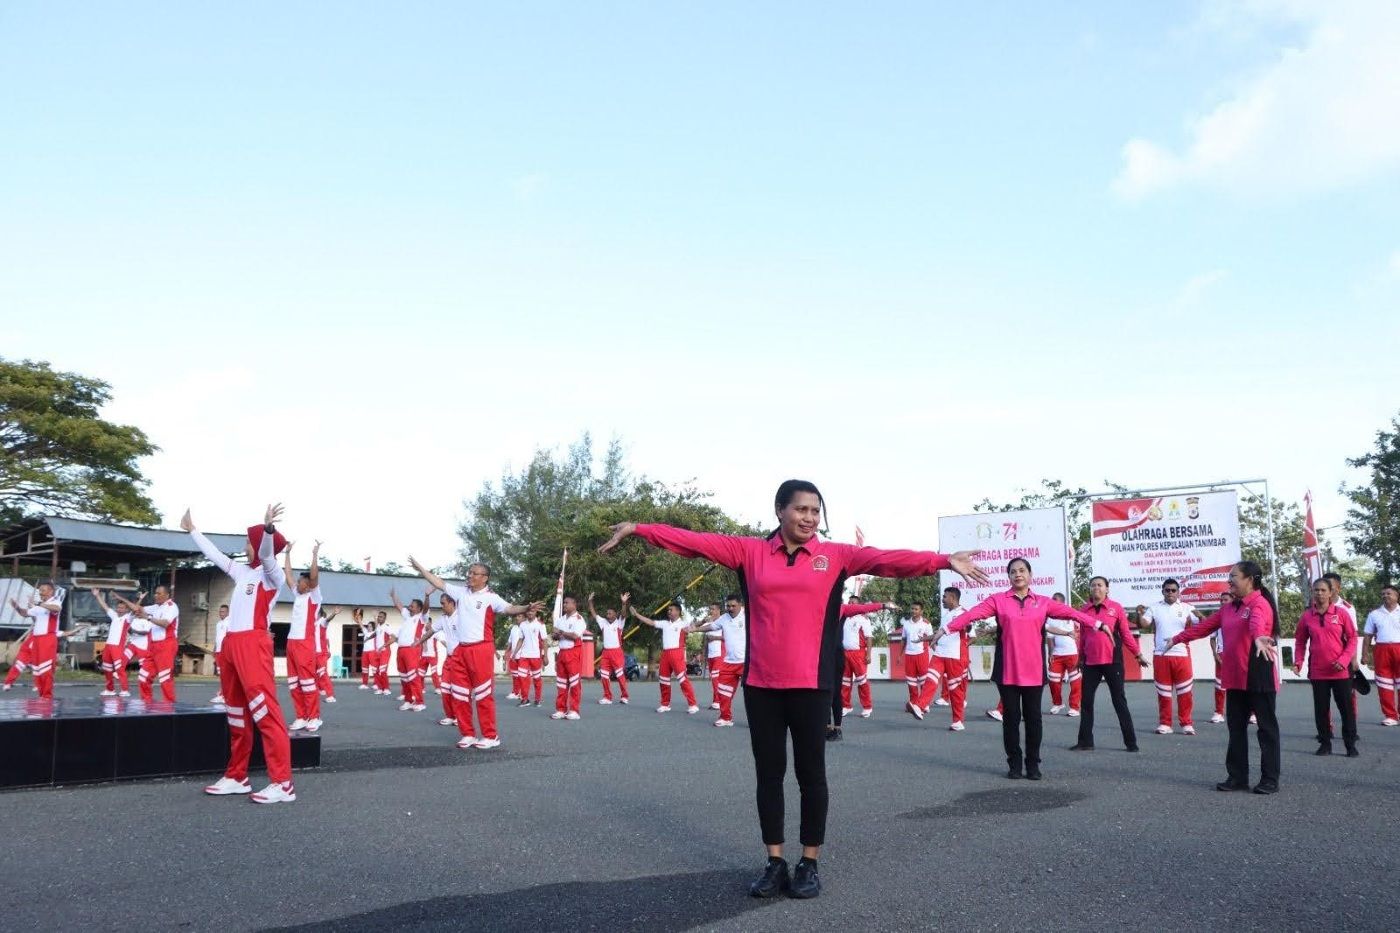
478,605
820,563
248,590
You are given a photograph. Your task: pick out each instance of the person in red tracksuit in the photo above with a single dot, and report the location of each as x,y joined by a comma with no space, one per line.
302,641
324,682
612,663
569,628
731,625
530,654
918,634
855,649
1382,650
1326,636
40,649
407,637
114,652
714,653
672,667
158,666
248,681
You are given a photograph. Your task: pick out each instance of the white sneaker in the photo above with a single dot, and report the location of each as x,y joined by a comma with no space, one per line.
847,710
405,706
556,715
297,725
1217,717
1253,720
914,709
624,701
364,686
1164,730
227,785
571,715
445,721
111,693
1188,730
488,743
714,705
418,707
605,702
956,727
1057,710
6,688
330,699
218,700
941,702
663,709
865,713
467,741
994,714
1073,714
692,710
1385,722
125,693
313,725
722,723
276,793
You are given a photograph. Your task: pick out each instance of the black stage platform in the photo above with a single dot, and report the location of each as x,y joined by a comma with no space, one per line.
83,740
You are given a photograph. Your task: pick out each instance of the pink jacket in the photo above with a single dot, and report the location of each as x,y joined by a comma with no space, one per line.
1332,635
1020,656
1239,624
1097,646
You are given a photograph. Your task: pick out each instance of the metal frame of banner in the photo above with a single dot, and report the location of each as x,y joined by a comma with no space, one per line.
1238,484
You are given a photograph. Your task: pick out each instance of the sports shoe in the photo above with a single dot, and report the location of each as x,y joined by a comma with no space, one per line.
419,707
1228,786
1056,710
605,702
721,723
225,786
572,714
805,882
364,686
773,881
956,727
1253,720
714,705
313,725
486,744
941,702
624,701
297,725
692,710
1385,722
5,688
914,709
524,702
125,693
1073,714
1266,787
275,793
447,721
663,709
1164,730
994,714
833,733
512,696
1217,717
330,699
1188,730
847,710
556,715
112,693
865,713
467,741
405,706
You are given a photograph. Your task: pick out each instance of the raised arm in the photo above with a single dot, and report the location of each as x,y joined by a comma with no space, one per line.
215,556
860,609
397,603
725,550
900,563
986,609
287,566
641,618
435,581
315,569
97,595
1201,629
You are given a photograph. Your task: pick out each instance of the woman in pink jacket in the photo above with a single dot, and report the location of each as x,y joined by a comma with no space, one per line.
1019,668
1249,674
1326,635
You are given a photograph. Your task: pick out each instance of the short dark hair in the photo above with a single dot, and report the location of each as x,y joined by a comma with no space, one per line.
1058,597
304,575
1172,581
957,593
223,605
734,597
1018,560
1392,587
917,602
1333,576
1104,579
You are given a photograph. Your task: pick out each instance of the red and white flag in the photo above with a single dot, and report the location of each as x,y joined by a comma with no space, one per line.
1312,553
559,589
367,565
858,583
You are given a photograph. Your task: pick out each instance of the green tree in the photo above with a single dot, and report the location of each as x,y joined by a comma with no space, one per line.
1052,493
1373,521
58,456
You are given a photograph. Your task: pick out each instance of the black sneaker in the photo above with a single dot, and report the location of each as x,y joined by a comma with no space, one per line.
805,882
1352,752
1266,787
1014,773
1323,750
1081,748
833,735
1032,772
1131,748
1232,785
774,880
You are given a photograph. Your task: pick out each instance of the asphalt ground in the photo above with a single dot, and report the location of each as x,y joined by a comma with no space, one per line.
629,820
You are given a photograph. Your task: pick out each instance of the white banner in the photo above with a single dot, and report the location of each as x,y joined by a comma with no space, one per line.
1138,543
1038,535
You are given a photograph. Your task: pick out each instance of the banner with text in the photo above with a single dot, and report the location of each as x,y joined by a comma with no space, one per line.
1138,543
1038,535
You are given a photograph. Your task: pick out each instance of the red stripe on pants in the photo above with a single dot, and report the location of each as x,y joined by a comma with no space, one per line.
952,674
568,675
1065,667
250,691
43,656
114,666
531,671
917,679
1173,674
475,678
673,665
410,681
323,676
854,672
613,666
728,679
301,678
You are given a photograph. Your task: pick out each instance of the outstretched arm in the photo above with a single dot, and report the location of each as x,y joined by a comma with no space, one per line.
395,597
435,581
97,595
215,556
641,618
287,566
315,569
725,550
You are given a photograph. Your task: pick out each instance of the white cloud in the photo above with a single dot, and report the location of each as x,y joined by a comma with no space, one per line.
1322,116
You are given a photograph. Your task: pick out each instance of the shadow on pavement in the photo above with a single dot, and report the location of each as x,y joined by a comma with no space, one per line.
998,803
630,905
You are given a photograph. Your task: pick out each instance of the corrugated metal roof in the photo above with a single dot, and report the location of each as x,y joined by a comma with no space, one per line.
365,589
152,539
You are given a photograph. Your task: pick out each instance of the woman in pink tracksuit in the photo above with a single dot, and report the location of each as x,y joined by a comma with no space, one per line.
1326,635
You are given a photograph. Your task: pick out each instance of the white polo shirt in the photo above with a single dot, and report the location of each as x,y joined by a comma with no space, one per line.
950,644
612,632
911,630
166,611
1168,620
1384,624
532,635
672,633
570,630
735,645
851,630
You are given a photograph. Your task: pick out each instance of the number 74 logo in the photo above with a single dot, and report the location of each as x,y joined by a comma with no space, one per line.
1009,530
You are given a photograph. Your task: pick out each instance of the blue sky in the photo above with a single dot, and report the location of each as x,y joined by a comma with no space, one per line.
919,253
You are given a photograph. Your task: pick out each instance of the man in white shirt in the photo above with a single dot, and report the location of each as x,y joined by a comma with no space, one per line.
40,648
569,628
1171,665
950,664
530,656
611,664
917,633
672,629
302,641
731,624
714,654
114,654
1063,666
1383,630
220,630
323,654
158,666
408,655
512,666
